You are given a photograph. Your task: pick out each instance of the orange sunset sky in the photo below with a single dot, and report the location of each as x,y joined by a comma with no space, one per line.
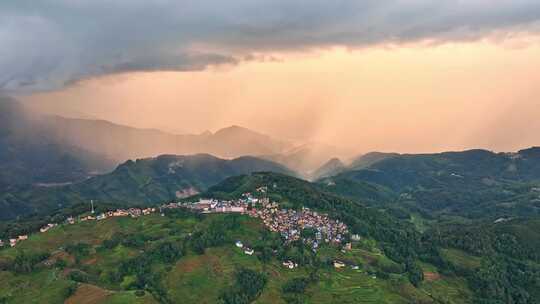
405,76
407,98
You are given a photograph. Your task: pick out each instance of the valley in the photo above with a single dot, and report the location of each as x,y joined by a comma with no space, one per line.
140,182
451,227
194,252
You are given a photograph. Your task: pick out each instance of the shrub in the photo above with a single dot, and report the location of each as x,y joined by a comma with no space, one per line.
248,286
78,276
296,285
25,262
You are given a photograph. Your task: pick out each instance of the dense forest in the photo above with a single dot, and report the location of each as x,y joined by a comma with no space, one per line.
509,270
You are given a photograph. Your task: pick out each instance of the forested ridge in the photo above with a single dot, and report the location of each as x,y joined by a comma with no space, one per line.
508,249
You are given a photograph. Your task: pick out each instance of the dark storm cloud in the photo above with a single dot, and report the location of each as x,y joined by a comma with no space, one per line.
45,44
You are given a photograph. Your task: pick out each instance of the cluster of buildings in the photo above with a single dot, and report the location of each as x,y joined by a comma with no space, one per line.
290,224
215,206
132,212
242,205
15,241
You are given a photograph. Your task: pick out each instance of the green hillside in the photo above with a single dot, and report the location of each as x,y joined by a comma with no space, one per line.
369,159
112,261
144,181
191,258
296,193
504,249
473,184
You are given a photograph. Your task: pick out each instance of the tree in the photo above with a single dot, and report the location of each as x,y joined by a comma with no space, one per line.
247,287
296,285
25,262
414,272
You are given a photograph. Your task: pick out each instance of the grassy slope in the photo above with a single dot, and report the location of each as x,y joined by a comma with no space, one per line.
198,278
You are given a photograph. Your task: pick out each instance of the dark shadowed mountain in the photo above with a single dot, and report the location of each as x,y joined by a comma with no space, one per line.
480,167
144,181
366,160
472,183
29,154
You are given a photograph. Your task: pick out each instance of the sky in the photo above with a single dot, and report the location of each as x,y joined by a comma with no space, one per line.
405,76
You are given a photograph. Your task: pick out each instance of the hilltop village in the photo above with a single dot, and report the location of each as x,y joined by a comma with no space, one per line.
131,212
290,224
287,222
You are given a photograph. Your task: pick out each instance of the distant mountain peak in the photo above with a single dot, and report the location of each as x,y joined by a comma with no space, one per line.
233,127
370,158
332,167
119,142
235,130
334,162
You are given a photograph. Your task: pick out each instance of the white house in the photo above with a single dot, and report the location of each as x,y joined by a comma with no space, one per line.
339,264
239,244
46,228
249,251
290,264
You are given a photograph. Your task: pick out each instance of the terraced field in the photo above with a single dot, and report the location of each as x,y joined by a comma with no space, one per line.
195,277
353,287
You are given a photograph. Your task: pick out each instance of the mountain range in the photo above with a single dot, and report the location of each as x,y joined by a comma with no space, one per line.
452,227
140,182
51,154
122,142
474,183
113,144
393,260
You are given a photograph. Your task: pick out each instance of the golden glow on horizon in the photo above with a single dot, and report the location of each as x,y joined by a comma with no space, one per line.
409,99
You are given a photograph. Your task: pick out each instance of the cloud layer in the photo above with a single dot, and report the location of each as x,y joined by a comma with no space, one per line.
47,44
